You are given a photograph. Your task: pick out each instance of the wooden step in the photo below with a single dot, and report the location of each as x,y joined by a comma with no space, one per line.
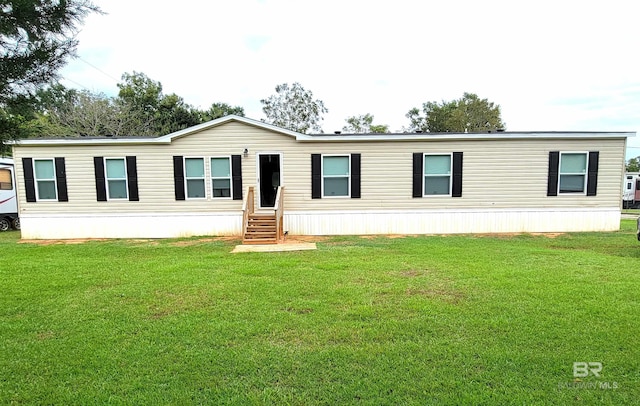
262,216
261,229
259,241
262,223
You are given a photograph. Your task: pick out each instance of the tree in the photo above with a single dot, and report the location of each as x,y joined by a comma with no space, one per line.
140,109
36,39
363,124
80,113
467,114
218,110
633,164
151,112
294,108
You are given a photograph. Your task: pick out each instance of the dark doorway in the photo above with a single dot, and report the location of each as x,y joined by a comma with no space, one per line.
269,178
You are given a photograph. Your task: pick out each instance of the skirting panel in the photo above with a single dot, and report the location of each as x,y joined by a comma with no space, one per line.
162,225
173,225
452,222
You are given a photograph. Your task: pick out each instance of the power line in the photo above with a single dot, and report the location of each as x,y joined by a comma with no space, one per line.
98,69
79,84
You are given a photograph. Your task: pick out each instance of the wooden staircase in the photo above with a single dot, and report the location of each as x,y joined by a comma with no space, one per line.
263,228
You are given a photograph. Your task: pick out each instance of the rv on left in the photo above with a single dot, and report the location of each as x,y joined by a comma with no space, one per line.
8,201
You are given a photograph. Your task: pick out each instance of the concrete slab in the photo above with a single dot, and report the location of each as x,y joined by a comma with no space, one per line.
297,246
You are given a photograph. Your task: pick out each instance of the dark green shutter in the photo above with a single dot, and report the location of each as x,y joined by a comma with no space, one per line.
132,178
316,176
178,177
236,176
552,179
29,182
456,187
101,184
61,180
592,173
355,176
418,174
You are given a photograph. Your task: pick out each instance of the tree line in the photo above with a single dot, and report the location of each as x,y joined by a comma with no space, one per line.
37,37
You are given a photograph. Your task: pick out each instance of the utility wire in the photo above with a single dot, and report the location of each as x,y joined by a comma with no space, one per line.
98,69
79,84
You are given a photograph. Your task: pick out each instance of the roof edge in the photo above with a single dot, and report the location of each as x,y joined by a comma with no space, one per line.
168,138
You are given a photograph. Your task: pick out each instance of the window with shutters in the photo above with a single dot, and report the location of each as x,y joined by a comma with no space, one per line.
6,183
194,178
221,177
116,177
335,175
45,179
437,175
573,172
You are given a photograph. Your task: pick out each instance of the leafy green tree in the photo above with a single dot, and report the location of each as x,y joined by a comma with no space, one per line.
36,39
218,110
151,112
294,108
363,124
633,164
465,115
140,109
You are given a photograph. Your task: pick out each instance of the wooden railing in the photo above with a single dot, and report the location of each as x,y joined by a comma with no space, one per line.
248,207
279,209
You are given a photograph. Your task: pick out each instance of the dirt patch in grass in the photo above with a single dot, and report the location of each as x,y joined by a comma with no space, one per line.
548,235
305,238
390,236
59,242
45,335
305,310
511,235
188,243
446,295
412,273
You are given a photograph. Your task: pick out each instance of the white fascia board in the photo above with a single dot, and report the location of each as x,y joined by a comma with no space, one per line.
85,141
465,136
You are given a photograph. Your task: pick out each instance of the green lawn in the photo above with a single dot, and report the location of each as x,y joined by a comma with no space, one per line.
416,320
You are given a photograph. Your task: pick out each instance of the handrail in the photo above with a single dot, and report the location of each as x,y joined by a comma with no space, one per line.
248,207
279,211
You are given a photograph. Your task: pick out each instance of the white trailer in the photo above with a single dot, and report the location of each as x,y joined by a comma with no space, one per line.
631,190
8,202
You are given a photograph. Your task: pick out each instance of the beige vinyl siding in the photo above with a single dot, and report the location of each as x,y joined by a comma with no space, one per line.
508,173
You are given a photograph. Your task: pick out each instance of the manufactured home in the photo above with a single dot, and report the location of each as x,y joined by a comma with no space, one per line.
237,176
8,201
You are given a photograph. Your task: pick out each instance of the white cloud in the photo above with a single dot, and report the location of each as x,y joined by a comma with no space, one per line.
551,65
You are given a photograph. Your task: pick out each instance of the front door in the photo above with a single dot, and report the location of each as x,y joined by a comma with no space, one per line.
269,178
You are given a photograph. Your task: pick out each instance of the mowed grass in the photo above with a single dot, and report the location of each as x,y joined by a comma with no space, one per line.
414,320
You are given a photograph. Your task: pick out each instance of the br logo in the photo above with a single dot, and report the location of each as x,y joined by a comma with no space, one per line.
583,369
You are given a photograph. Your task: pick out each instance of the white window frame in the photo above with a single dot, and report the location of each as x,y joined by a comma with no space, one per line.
212,178
107,179
425,176
585,173
36,180
186,178
348,195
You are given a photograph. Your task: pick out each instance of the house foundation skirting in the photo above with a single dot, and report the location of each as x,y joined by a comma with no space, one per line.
458,221
130,225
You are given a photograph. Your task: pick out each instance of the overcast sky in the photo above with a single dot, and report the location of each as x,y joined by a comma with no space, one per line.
550,65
